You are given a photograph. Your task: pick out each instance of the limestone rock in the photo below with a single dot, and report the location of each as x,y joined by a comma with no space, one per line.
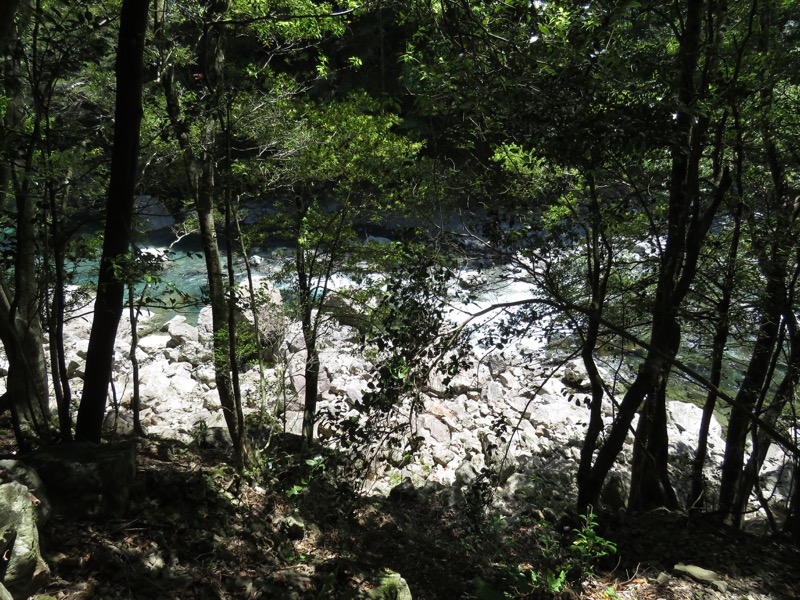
686,419
4,593
433,428
493,393
343,311
508,380
205,329
614,495
26,571
520,406
575,375
194,353
179,331
405,492
702,575
154,344
118,423
16,470
292,526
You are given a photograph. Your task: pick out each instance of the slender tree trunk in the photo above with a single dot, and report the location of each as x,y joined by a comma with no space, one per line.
784,394
311,267
311,364
119,214
243,449
697,494
20,320
201,176
650,485
599,271
792,524
253,307
773,247
134,311
57,307
216,286
310,393
749,392
687,226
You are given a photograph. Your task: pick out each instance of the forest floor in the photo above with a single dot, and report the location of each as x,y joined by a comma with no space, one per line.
196,530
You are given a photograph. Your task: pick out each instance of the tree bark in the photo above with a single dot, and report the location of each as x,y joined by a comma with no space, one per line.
688,222
773,247
598,270
720,340
119,212
747,395
20,320
783,395
201,175
216,286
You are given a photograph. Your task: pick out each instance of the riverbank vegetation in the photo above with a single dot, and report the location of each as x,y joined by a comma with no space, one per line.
634,164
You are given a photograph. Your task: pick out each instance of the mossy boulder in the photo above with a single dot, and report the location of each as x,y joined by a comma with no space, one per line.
22,569
390,586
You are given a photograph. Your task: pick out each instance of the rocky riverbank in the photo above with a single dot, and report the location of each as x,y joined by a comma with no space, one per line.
488,488
521,416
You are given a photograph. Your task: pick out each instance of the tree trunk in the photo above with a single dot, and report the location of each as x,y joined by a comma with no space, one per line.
772,249
20,321
783,395
650,485
749,391
599,271
134,311
201,176
310,394
311,364
687,226
216,284
58,361
697,495
119,213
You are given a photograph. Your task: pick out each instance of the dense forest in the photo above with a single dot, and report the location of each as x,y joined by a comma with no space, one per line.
634,167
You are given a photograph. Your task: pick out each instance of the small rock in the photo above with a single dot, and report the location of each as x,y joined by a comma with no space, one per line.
698,573
391,586
294,527
493,393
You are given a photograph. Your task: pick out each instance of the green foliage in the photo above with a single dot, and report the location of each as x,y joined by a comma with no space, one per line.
548,581
558,564
316,466
285,21
198,432
408,333
589,545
